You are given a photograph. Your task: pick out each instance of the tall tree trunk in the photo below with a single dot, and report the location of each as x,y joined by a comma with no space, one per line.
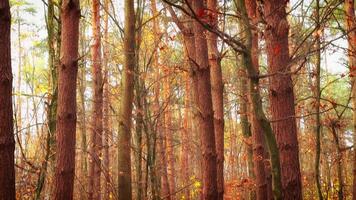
97,118
52,107
317,101
217,88
259,143
106,110
66,115
185,139
282,97
7,142
169,134
83,119
259,119
201,73
351,38
247,134
124,144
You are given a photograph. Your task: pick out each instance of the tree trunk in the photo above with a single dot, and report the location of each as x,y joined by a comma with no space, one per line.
282,97
259,117
97,116
7,142
185,139
339,167
124,144
351,38
106,111
201,73
66,116
317,102
52,106
83,119
261,170
217,88
169,134
247,134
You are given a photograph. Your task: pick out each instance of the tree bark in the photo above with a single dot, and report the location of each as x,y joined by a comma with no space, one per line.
282,97
260,169
97,116
351,38
124,144
106,111
185,139
317,103
7,142
53,97
169,135
259,117
201,72
66,116
217,88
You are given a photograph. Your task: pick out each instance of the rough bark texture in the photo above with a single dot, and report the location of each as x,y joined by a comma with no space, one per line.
350,26
97,116
125,115
217,88
257,107
205,108
282,96
66,115
258,138
7,142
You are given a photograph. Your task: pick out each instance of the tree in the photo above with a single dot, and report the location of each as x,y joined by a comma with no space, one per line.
258,139
281,96
351,38
259,118
124,144
66,112
97,119
201,74
317,98
217,88
7,142
106,107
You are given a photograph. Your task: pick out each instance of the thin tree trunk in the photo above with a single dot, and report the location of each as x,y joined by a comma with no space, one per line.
217,88
106,111
247,134
66,115
83,120
185,139
317,103
52,107
282,97
7,142
201,73
169,135
124,144
340,190
97,118
351,38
